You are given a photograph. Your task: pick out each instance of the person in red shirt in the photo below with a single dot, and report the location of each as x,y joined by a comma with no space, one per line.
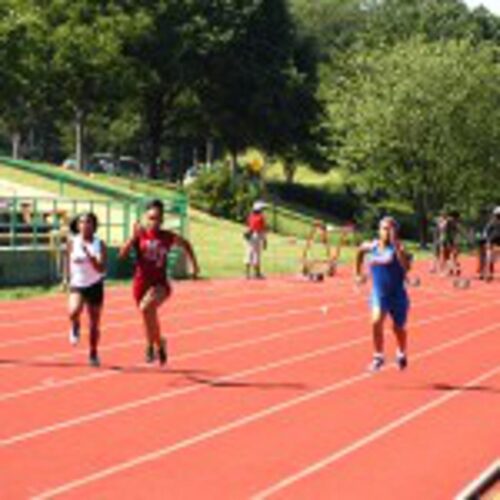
151,287
256,239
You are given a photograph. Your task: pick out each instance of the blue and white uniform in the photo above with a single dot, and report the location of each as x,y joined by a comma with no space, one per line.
388,281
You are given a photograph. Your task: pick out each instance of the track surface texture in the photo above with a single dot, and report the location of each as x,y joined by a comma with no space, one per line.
266,396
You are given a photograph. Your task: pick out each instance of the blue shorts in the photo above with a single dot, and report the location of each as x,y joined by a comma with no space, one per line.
396,306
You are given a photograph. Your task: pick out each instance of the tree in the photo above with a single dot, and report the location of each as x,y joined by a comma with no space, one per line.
259,88
335,25
392,21
21,66
86,40
419,123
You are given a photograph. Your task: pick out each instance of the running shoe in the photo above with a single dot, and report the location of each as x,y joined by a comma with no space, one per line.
162,352
74,335
376,364
150,355
402,361
94,360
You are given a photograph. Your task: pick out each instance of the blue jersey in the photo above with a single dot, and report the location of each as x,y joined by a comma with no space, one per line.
388,275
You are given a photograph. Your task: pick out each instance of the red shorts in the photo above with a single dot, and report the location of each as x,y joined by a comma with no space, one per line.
141,287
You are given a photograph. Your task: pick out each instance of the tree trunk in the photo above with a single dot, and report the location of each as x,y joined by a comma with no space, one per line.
154,118
16,145
31,143
195,157
79,139
234,161
289,169
422,217
154,155
209,158
263,171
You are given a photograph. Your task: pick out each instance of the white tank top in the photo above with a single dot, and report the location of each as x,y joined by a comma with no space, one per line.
82,273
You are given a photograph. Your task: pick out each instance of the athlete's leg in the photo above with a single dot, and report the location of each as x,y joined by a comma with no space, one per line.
148,306
378,319
399,313
95,312
481,258
75,308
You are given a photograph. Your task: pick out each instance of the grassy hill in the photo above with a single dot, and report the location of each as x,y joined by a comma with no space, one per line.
218,242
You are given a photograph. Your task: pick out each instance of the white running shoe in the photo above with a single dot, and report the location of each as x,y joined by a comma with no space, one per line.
74,335
376,364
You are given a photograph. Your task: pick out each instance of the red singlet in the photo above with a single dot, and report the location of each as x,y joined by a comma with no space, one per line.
256,222
152,248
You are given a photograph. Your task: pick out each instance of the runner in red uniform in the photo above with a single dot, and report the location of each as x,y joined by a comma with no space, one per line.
151,287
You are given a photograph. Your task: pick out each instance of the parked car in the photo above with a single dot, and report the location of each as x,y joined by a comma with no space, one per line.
191,175
69,164
101,163
128,165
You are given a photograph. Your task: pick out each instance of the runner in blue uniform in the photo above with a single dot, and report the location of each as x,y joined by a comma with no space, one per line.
388,264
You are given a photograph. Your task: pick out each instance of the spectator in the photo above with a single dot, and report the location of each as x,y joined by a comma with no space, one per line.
256,240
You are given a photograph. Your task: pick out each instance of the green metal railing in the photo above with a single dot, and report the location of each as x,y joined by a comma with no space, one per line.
66,179
29,221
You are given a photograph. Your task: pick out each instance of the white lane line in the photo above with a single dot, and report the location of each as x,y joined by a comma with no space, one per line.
370,438
173,310
482,482
113,410
96,376
198,329
171,313
243,421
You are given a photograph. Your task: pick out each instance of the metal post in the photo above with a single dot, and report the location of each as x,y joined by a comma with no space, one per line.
108,225
34,221
13,222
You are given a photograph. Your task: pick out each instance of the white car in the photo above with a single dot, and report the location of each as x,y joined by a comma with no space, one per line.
190,175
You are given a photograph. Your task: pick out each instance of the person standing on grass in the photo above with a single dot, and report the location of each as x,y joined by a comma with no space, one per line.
389,265
151,287
85,272
255,236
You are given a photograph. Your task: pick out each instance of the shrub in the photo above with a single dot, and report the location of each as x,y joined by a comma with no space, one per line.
219,192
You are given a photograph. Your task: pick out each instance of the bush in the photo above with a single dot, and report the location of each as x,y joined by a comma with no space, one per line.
367,219
223,194
342,205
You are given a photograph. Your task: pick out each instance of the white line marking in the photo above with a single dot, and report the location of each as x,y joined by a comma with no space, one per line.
471,490
241,422
175,311
235,345
131,405
370,438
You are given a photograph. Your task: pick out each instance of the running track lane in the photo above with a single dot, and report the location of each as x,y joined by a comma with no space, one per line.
429,332
443,447
202,410
26,353
58,402
258,448
46,370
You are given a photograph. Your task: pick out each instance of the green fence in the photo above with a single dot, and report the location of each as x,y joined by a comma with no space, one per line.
66,178
29,221
37,225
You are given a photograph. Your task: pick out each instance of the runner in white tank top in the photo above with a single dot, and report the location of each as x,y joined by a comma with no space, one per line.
86,265
83,274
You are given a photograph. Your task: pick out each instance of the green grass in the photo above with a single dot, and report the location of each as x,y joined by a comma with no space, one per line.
218,242
143,186
28,292
220,247
51,186
304,175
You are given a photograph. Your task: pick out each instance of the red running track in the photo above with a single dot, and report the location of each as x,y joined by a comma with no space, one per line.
266,396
